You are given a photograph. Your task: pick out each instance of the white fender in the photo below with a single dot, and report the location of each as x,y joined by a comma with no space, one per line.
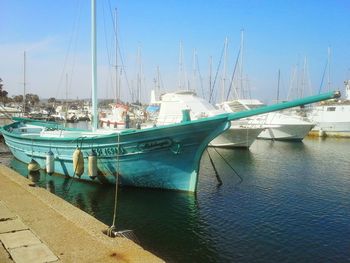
92,164
50,162
78,162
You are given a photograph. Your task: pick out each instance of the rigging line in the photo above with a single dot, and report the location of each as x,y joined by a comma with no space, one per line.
116,185
74,52
78,11
200,77
323,75
216,74
233,76
214,167
233,169
119,50
109,55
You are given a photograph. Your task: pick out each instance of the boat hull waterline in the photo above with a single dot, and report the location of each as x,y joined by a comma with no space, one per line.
165,157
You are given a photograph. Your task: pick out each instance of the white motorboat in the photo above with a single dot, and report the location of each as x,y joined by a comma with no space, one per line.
332,118
277,126
240,134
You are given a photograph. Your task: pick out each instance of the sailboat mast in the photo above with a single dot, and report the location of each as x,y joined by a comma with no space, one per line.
94,65
24,84
224,72
117,91
210,72
158,80
139,75
180,67
329,68
193,85
303,82
278,86
241,63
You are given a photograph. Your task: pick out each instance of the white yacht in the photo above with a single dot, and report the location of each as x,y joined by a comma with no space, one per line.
240,134
332,117
278,126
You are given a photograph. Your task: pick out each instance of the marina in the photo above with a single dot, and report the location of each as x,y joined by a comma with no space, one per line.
112,155
289,203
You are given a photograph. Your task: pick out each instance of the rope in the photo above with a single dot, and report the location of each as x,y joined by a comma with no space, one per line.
109,231
200,77
229,165
233,75
324,73
216,172
216,75
119,51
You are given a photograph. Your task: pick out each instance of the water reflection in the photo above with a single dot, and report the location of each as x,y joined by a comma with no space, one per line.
34,176
50,186
156,217
291,206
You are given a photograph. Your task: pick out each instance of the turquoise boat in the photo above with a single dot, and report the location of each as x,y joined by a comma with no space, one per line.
164,157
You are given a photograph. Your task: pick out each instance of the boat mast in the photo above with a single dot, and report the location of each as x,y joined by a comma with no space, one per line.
224,72
241,64
66,104
180,66
158,80
117,87
210,72
193,85
24,84
278,86
139,75
303,81
94,66
329,68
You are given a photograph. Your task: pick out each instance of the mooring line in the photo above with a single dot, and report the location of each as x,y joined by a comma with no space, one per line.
216,172
233,169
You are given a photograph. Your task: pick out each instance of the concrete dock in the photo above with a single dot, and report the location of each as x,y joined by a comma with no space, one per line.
37,226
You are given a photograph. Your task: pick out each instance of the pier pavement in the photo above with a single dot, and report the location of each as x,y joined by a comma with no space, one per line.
37,226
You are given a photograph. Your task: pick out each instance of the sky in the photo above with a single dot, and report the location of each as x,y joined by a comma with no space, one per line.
292,37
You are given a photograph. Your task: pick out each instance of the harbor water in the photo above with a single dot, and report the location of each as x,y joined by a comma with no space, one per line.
279,202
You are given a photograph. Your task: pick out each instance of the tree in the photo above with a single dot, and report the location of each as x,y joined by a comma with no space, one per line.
52,100
18,98
3,93
32,99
